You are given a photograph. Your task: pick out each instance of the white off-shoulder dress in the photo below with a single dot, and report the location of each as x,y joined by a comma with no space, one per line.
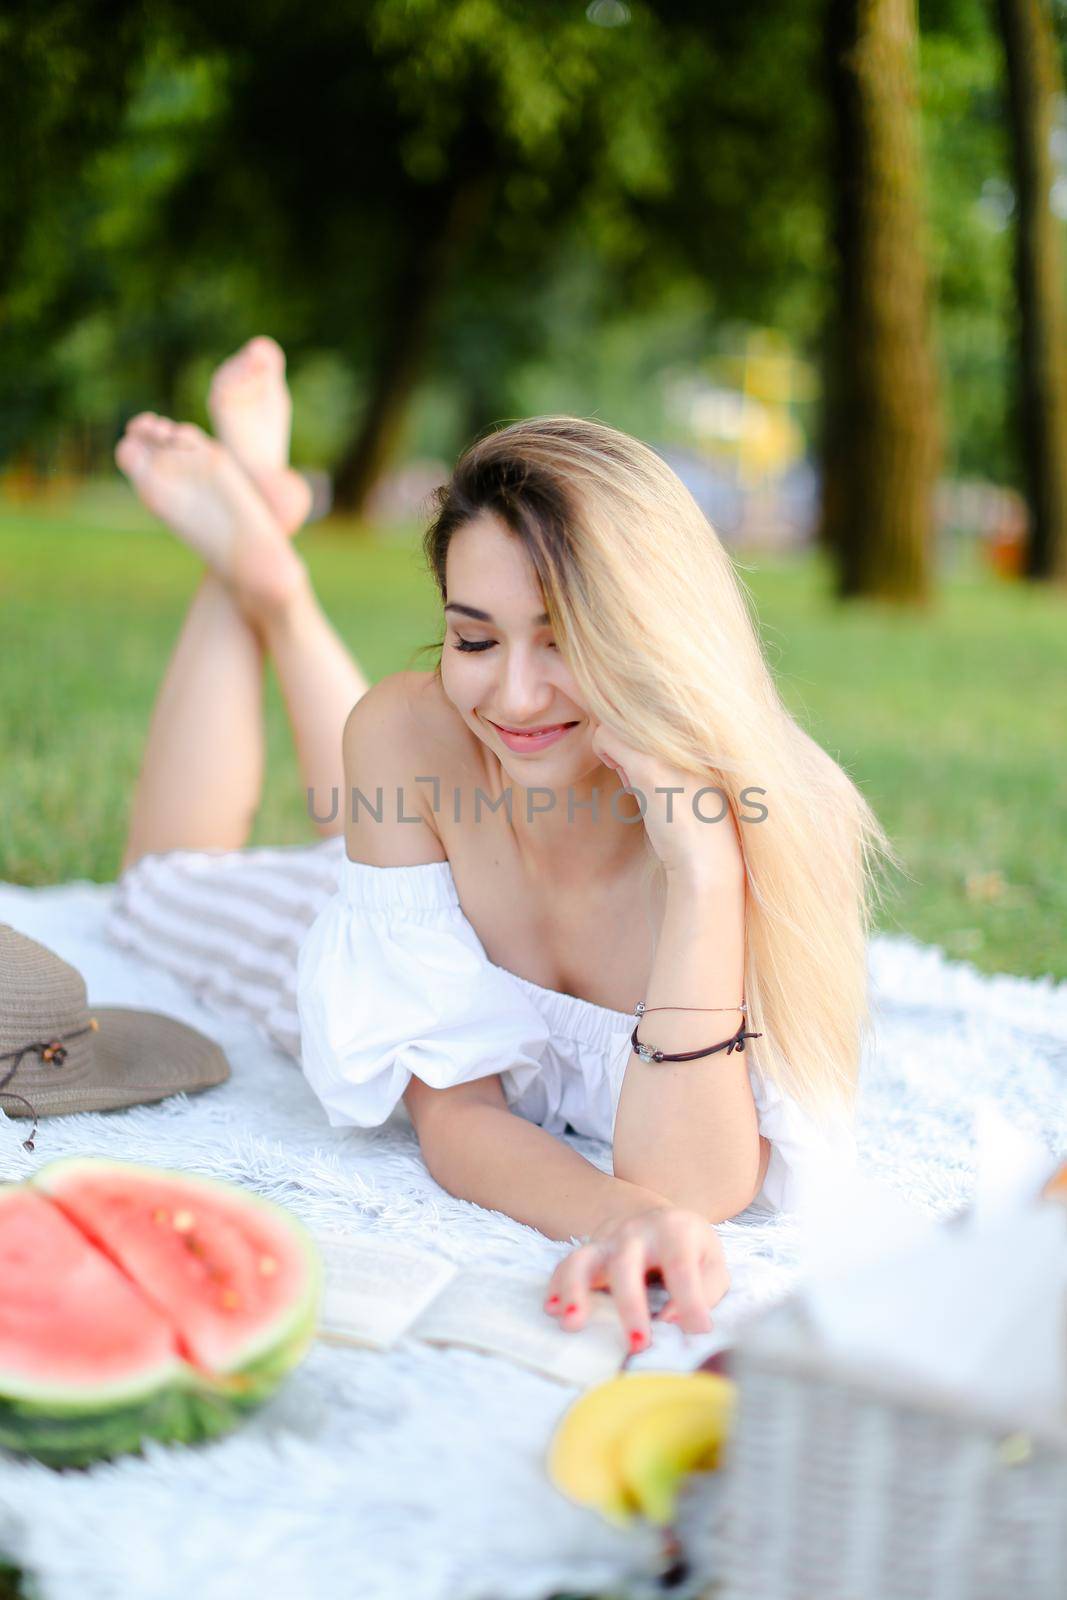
369,975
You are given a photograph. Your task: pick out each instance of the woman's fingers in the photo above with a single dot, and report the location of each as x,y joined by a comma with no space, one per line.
677,1246
572,1284
715,1278
685,1285
592,1268
626,1280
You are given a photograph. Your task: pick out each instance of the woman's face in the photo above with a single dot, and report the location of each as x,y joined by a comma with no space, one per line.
501,669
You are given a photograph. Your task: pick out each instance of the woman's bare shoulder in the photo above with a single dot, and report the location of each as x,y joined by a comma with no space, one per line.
435,727
401,735
413,710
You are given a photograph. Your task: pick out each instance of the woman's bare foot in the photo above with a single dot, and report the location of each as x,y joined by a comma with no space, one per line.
195,486
251,412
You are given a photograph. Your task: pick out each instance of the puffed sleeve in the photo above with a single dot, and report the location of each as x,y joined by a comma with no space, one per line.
799,1146
393,981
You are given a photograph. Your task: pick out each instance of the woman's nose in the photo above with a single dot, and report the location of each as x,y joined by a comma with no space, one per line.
526,690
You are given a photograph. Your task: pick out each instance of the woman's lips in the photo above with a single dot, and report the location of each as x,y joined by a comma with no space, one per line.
527,742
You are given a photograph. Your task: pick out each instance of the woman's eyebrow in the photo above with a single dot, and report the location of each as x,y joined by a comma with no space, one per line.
483,616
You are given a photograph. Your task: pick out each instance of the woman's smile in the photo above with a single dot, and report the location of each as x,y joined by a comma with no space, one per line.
536,739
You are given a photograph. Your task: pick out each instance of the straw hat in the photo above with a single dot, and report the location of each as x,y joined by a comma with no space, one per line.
56,1056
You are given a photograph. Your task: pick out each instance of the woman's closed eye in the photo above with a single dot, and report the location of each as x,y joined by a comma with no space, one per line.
484,644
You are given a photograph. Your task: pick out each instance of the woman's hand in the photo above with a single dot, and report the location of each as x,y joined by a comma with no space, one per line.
621,1255
686,836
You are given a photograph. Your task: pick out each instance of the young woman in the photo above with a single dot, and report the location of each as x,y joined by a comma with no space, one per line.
595,802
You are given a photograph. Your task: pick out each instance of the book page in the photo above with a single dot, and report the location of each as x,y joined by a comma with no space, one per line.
502,1314
373,1292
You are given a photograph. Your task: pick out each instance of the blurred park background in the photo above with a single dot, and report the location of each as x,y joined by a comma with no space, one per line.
810,250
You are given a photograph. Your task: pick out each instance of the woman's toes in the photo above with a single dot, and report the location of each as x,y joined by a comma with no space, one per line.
194,485
224,378
225,373
266,352
259,357
153,429
251,412
132,454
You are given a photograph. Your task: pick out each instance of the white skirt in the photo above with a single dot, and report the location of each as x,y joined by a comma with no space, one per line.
229,923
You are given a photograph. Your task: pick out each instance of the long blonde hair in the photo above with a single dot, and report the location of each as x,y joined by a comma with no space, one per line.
655,625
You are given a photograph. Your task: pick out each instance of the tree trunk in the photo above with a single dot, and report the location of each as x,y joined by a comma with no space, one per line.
1034,82
433,244
881,443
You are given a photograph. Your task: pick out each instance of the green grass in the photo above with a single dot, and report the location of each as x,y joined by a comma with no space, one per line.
951,722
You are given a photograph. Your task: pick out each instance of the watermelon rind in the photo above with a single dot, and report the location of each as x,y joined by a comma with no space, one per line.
273,1336
179,1414
50,1399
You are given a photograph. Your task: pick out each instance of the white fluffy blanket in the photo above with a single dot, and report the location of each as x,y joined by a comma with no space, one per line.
418,1474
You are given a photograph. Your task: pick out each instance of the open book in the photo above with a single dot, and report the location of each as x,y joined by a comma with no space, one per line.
376,1292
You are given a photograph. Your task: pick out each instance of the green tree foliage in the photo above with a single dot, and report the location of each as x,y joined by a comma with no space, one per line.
491,205
61,95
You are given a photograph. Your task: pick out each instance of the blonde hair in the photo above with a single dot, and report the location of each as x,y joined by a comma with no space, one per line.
655,626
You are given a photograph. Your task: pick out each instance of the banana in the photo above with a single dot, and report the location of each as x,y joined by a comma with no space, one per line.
662,1446
585,1451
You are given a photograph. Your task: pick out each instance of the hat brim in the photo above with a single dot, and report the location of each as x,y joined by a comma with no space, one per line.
138,1057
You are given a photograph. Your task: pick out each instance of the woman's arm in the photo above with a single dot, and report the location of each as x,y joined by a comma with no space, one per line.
684,1136
688,1129
478,1149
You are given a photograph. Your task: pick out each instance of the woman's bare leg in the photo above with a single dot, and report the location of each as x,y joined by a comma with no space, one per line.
202,769
202,773
320,683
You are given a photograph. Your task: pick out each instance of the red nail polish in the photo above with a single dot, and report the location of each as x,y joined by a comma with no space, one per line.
553,1300
567,1310
637,1340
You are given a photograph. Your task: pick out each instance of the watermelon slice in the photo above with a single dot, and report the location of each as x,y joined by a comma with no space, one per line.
115,1348
142,1303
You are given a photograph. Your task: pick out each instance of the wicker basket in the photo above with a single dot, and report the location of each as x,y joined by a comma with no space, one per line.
841,1486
